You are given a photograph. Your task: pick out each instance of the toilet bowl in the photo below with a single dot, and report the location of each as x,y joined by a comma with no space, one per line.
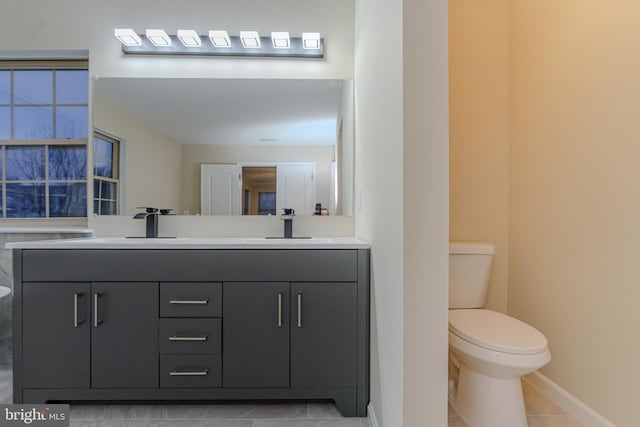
489,350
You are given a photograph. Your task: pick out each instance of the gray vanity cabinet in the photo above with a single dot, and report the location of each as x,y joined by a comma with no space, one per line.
124,341
255,335
99,335
323,335
263,348
57,334
192,324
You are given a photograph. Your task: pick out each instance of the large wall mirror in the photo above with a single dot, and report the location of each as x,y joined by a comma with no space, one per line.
223,146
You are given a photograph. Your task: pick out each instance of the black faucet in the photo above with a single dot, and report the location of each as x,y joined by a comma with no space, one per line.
151,215
287,217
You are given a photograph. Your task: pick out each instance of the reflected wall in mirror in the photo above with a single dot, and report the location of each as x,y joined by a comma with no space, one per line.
172,129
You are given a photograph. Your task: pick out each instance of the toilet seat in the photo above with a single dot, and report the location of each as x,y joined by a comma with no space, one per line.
495,331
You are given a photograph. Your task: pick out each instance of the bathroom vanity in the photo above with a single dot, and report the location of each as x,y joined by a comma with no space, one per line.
192,319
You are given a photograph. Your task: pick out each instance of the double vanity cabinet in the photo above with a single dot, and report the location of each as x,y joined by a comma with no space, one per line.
192,319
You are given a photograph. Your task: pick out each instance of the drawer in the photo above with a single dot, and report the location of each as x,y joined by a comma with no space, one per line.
190,299
190,335
190,370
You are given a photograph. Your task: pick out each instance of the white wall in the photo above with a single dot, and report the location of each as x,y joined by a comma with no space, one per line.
426,211
89,24
402,143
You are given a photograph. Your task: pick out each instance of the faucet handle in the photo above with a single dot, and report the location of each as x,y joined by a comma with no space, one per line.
148,209
166,212
289,211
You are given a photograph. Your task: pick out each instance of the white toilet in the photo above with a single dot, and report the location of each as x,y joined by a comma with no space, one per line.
489,351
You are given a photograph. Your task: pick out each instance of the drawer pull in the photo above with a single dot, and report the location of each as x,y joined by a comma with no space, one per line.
76,321
189,373
96,321
280,310
176,338
193,302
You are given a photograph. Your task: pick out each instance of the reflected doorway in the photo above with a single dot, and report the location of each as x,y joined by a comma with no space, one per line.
259,189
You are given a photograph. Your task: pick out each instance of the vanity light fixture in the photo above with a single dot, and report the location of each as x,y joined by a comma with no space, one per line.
280,40
220,43
189,38
311,40
250,39
219,38
159,38
127,37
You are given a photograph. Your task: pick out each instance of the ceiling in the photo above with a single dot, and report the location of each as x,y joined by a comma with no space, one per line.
230,111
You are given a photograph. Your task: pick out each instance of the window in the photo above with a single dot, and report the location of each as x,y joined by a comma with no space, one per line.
106,183
267,203
43,139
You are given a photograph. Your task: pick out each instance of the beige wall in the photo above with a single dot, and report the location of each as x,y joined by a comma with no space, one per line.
574,209
479,131
153,161
402,143
194,155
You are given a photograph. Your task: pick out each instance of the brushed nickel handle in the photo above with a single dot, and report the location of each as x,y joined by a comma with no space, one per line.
96,322
177,373
299,310
177,338
182,301
76,322
280,310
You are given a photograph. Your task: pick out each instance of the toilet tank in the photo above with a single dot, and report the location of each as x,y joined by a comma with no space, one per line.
469,270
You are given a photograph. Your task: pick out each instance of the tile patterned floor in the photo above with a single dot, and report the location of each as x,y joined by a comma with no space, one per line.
541,412
200,415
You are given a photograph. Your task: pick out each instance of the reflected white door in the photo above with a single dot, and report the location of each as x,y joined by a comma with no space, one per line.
220,187
295,187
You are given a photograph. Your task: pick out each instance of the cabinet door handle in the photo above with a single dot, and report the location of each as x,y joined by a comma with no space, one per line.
76,322
182,301
177,338
280,310
177,373
299,310
96,321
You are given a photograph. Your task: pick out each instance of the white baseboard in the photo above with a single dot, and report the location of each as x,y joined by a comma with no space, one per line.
371,416
568,402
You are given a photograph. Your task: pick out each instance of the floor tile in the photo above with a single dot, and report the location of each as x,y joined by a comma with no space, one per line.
164,423
537,403
345,422
552,421
323,411
257,411
185,412
116,412
456,422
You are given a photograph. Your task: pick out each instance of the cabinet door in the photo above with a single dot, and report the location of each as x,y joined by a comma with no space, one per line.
323,335
56,335
124,343
255,336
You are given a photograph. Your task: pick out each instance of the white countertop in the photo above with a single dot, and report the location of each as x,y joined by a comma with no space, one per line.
193,243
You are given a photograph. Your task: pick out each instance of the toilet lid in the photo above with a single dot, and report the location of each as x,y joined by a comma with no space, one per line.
496,331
